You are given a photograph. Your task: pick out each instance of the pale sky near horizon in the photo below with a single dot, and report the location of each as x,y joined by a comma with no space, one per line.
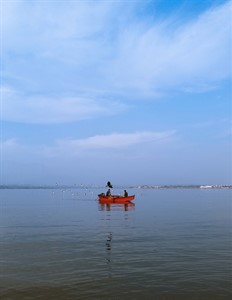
135,92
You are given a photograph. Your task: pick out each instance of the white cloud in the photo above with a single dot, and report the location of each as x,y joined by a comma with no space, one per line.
111,141
68,31
119,140
44,109
192,56
12,148
94,149
93,50
9,143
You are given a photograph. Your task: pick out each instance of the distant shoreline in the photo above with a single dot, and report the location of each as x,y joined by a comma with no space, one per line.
28,186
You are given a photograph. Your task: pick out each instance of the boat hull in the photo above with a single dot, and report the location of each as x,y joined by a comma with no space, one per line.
115,199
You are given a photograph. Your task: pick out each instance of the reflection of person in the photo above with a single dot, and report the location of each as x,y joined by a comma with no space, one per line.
125,193
108,193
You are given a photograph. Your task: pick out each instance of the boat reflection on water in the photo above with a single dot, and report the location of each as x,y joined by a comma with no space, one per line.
113,214
116,206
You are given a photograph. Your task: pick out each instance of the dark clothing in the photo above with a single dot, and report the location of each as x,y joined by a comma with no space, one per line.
109,184
125,194
108,193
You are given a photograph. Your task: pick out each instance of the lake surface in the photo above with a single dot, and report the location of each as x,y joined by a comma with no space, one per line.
62,244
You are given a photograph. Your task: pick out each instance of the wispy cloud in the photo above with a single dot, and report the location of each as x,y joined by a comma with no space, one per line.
11,148
190,56
9,143
19,107
126,145
90,51
117,141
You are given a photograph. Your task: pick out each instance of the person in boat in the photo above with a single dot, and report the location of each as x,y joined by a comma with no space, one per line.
125,193
108,193
101,195
109,185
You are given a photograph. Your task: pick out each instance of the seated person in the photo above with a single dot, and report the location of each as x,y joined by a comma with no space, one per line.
101,195
108,193
125,193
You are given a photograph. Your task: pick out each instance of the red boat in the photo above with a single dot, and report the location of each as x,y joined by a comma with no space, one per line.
115,199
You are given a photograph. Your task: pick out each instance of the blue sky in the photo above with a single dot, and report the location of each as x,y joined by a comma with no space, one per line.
135,92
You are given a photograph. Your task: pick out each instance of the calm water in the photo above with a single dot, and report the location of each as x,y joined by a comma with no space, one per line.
172,244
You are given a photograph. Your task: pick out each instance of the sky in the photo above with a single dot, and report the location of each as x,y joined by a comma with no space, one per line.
133,91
